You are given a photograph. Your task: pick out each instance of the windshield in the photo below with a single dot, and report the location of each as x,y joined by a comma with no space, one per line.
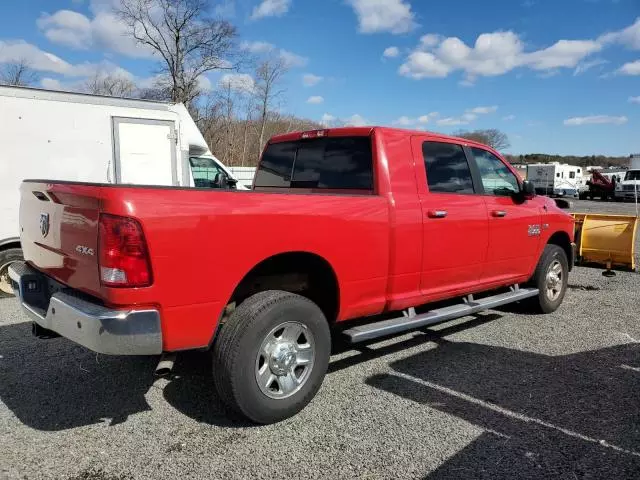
632,175
206,172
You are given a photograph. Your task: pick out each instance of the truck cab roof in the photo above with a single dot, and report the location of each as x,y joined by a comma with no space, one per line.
368,130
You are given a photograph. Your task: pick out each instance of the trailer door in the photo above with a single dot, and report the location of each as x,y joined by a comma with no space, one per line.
144,151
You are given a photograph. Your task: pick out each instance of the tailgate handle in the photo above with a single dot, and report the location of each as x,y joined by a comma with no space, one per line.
41,196
437,213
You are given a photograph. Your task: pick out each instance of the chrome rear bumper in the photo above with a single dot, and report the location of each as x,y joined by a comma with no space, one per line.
103,330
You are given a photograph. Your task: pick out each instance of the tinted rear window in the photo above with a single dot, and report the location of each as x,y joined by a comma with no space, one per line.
447,168
340,163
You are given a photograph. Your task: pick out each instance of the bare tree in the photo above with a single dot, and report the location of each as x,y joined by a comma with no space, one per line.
111,84
492,137
187,40
18,74
267,90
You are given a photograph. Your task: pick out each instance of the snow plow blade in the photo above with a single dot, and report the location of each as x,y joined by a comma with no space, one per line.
607,240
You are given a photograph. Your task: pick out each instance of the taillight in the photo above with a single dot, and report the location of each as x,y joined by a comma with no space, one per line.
124,260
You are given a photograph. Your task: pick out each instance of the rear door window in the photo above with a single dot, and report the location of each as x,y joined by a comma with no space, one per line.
447,168
330,163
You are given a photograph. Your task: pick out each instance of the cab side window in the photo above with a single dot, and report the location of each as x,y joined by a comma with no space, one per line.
447,168
497,179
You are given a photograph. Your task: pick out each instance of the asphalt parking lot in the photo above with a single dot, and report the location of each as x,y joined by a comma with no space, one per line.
502,395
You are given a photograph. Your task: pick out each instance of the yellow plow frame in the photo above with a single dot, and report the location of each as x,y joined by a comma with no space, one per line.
607,240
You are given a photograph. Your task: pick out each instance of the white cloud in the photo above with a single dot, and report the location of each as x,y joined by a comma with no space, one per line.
391,52
309,79
292,59
629,37
13,51
631,68
492,54
105,31
315,100
270,8
452,121
421,65
257,47
405,121
634,99
51,84
467,117
508,118
595,120
260,48
240,82
204,84
429,116
562,54
588,65
356,120
430,40
483,110
374,16
327,119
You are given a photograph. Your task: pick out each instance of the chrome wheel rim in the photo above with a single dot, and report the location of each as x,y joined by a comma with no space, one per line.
285,360
554,280
5,281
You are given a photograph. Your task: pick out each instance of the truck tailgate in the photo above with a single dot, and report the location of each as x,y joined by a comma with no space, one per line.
59,234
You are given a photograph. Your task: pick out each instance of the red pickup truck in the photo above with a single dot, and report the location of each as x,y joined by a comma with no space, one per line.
364,223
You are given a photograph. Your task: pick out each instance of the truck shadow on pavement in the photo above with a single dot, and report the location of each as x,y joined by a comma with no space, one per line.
56,385
192,392
569,416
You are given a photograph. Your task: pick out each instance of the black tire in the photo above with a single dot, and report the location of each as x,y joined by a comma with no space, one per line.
236,347
7,257
546,302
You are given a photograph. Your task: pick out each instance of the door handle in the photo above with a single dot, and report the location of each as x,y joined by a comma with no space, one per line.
437,213
499,213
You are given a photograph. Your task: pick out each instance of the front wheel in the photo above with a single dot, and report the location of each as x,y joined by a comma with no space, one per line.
271,355
550,278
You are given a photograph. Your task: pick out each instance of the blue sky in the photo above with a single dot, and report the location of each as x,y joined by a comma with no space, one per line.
558,76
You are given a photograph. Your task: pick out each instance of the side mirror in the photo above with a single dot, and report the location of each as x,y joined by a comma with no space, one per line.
220,180
528,190
231,182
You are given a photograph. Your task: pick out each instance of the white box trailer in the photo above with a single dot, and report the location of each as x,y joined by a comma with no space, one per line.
556,179
89,138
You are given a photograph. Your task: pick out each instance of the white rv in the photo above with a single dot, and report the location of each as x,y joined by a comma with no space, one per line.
628,188
71,136
557,179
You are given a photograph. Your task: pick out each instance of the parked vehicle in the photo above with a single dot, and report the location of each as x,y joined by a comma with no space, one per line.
90,138
556,179
629,187
363,223
602,184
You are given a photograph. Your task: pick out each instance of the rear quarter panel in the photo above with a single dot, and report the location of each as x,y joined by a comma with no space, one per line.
202,243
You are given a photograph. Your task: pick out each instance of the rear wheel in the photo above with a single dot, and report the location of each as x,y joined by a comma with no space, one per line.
550,277
7,257
271,356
